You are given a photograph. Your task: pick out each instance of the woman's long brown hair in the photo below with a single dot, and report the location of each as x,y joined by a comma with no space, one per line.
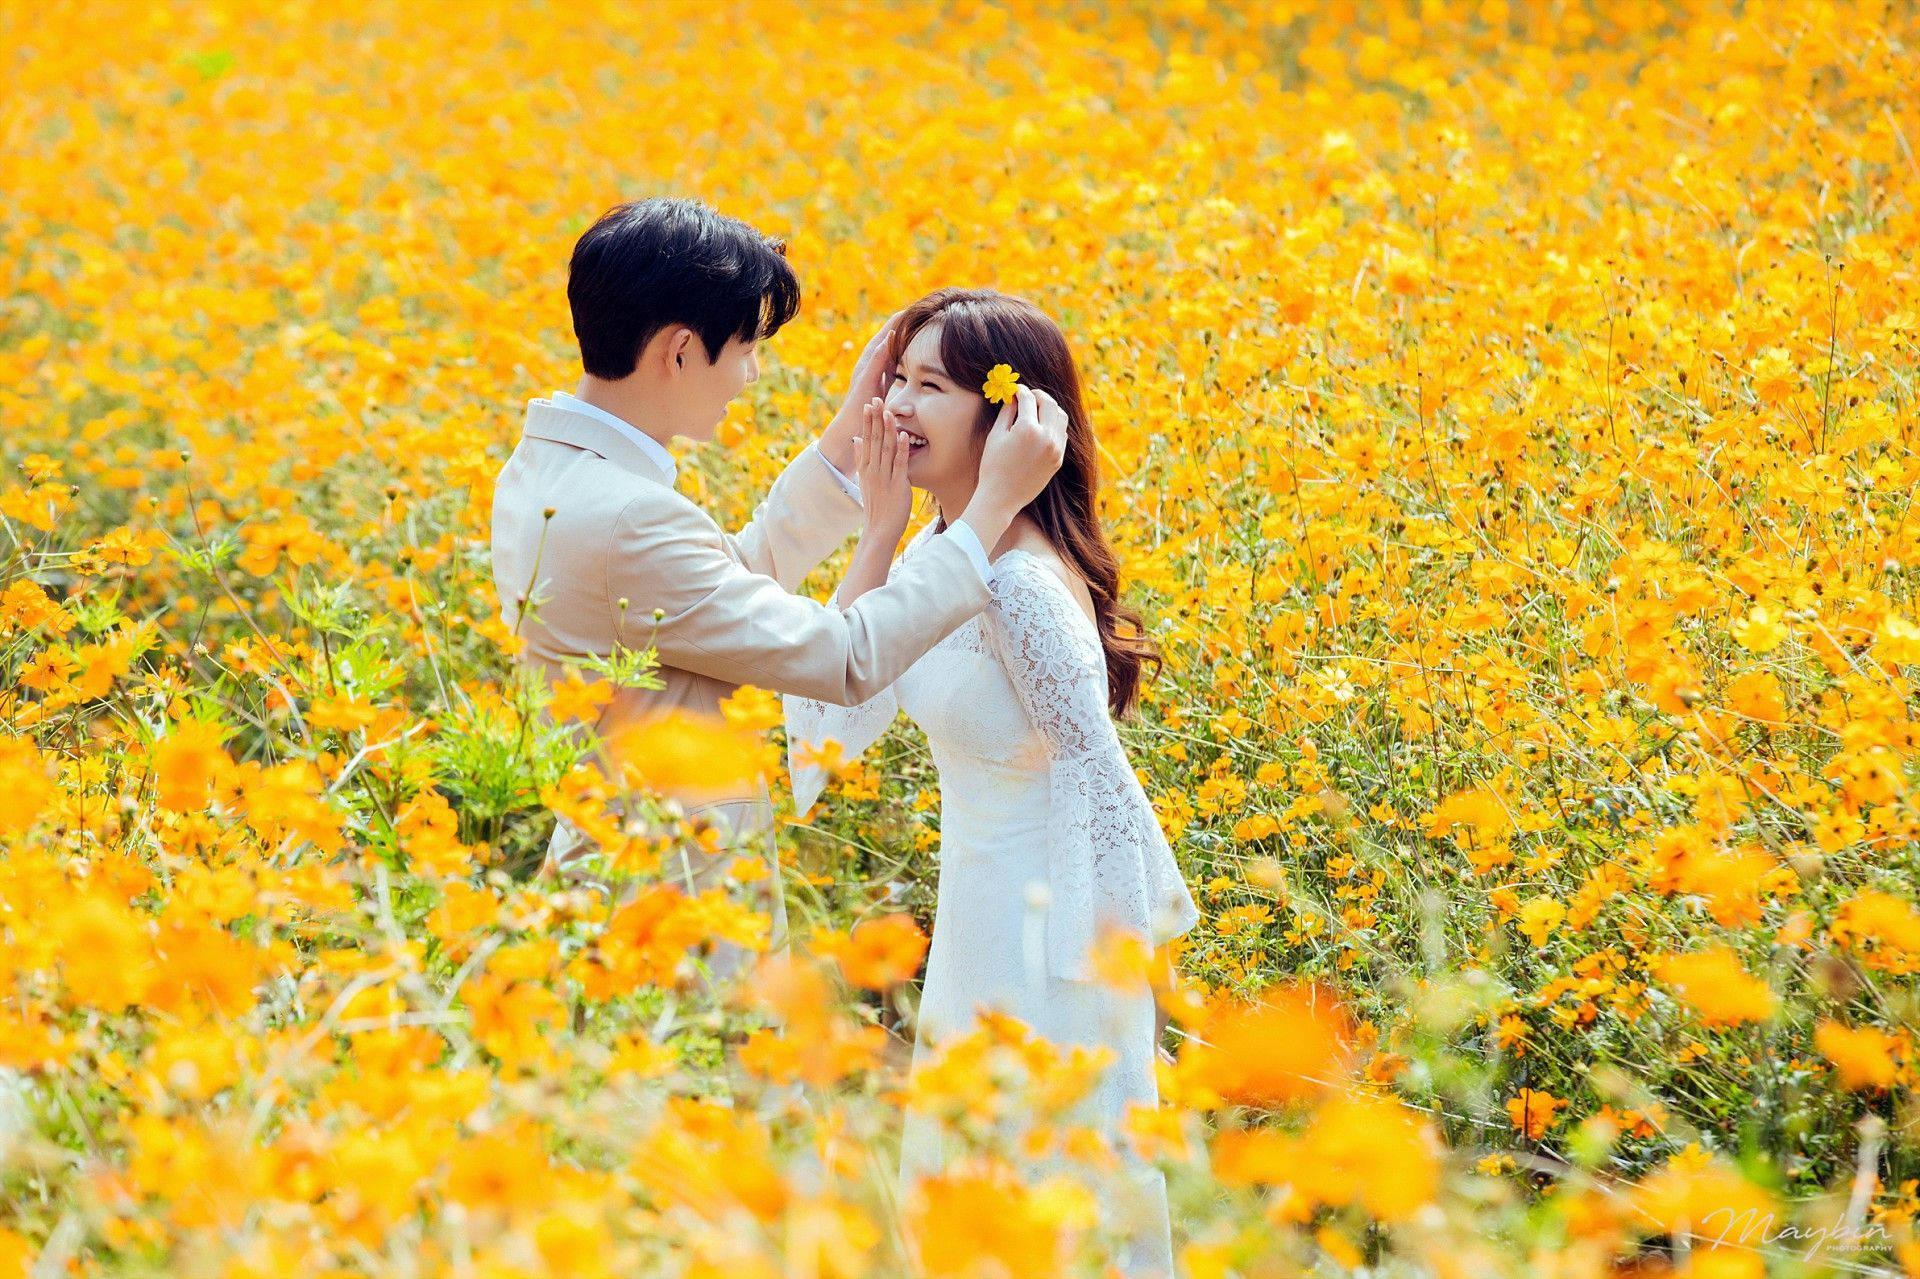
980,328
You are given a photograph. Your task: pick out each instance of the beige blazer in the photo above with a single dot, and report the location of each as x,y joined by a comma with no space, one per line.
619,532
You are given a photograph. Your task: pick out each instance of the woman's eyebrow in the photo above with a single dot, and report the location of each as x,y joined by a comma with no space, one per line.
932,370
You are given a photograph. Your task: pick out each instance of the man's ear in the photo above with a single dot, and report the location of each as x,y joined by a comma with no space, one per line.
679,343
665,351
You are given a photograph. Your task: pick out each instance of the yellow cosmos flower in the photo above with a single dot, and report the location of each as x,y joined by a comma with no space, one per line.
1897,640
1761,631
1000,384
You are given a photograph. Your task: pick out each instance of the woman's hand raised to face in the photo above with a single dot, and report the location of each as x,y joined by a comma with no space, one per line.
881,449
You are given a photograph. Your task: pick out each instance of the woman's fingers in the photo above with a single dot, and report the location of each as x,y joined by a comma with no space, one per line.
1049,410
889,442
1004,417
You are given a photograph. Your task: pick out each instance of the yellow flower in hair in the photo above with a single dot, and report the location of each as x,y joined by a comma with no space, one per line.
1000,384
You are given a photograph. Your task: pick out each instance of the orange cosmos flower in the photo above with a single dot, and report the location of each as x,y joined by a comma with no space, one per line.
1714,984
981,1219
688,757
882,952
1290,1044
1862,1058
1532,1112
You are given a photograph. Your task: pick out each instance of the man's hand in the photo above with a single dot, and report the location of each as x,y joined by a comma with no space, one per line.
870,378
1023,451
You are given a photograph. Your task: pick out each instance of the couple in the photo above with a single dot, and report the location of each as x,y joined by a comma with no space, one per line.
999,629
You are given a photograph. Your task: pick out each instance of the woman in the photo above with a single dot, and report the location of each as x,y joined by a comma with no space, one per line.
1046,835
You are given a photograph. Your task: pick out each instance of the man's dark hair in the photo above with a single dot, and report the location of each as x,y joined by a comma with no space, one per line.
651,263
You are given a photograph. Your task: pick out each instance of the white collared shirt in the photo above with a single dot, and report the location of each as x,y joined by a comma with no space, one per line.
657,452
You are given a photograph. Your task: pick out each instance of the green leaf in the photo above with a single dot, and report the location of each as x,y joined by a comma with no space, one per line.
211,65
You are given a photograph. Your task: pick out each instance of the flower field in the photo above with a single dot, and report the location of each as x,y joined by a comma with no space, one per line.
1510,419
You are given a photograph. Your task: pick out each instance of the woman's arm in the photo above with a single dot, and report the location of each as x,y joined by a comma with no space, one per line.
881,448
1107,859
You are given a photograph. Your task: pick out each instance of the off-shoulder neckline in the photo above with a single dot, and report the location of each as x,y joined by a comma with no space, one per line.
1020,550
933,530
1036,560
1045,570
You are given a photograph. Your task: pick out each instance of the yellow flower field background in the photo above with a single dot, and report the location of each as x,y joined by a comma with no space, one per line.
1509,420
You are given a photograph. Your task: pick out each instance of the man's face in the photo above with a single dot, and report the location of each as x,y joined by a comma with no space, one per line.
707,389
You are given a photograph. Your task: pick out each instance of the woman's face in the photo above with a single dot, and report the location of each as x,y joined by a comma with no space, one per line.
930,406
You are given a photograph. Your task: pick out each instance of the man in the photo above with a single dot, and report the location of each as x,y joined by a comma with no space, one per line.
590,540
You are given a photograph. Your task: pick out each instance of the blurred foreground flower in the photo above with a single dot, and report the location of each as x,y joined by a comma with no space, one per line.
1714,984
877,953
1862,1058
816,1042
690,758
1291,1044
980,1219
1372,1153
1706,1200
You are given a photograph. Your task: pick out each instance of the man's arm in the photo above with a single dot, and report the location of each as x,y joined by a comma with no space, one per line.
722,620
718,618
806,513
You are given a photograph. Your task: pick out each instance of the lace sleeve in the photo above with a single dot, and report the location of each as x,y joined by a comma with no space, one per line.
1107,858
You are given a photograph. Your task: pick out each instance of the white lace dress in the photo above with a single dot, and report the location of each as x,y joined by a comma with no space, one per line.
1045,834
